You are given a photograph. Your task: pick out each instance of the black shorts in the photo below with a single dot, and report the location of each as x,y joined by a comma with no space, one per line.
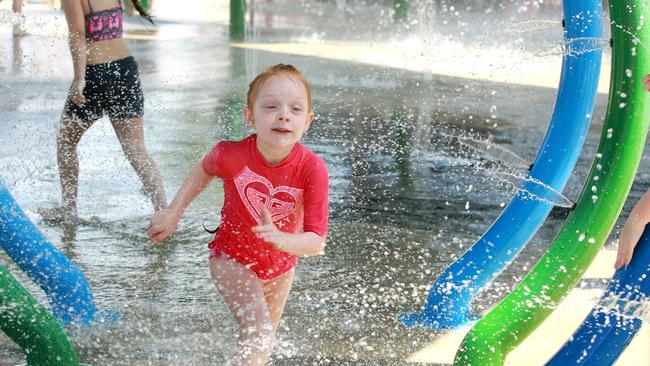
112,88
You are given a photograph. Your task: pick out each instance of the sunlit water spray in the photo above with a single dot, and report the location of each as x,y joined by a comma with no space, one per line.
535,189
495,152
627,308
9,17
575,46
531,188
532,25
635,39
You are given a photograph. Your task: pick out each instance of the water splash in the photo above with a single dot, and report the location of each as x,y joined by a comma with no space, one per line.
533,188
532,25
635,38
9,17
574,47
495,152
638,308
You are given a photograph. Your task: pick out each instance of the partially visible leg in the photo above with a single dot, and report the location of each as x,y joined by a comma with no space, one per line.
244,293
17,6
276,293
69,135
130,132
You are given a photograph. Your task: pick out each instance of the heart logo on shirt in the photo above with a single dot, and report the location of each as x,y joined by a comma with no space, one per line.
258,194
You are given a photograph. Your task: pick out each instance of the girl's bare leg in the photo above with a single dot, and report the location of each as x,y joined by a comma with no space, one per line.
276,293
130,132
68,137
246,296
17,6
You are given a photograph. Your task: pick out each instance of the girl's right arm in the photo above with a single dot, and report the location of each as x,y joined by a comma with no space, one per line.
77,40
632,230
164,222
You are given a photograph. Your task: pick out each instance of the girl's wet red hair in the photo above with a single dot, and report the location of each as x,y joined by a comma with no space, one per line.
279,69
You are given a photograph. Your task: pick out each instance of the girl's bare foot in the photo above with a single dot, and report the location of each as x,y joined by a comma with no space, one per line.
58,215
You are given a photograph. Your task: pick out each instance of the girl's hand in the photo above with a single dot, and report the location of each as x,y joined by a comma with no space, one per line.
162,224
76,93
269,232
630,236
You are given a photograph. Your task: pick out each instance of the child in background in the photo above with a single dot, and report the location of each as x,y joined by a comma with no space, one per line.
636,222
275,207
106,81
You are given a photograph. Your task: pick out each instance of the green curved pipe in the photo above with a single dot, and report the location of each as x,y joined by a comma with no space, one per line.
598,206
32,326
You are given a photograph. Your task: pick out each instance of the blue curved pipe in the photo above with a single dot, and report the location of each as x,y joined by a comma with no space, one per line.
615,320
65,286
451,295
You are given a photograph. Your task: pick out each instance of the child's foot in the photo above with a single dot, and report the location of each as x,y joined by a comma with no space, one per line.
58,215
19,31
19,26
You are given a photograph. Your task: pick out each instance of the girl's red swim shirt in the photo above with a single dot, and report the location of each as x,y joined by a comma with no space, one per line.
294,192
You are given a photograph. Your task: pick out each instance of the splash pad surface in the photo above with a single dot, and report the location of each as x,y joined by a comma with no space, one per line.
390,215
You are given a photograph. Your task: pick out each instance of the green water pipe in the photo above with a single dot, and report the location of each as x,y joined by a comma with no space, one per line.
598,206
32,326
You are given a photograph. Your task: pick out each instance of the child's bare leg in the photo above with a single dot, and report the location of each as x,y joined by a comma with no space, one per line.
244,293
276,293
130,132
17,6
69,135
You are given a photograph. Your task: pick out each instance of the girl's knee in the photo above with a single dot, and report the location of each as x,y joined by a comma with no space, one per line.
136,152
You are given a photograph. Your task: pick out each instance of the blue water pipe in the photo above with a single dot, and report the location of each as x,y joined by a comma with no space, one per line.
65,286
450,297
616,319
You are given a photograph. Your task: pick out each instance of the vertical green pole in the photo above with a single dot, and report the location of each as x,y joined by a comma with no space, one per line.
237,15
401,11
145,5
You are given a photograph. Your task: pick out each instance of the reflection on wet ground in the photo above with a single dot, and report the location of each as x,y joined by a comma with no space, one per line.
406,197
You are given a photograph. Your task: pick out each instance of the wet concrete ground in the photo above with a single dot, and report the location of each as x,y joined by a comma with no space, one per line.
400,211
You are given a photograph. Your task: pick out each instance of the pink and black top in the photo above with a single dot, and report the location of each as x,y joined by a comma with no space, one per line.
104,24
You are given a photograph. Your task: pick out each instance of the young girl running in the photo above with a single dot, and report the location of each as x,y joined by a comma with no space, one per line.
275,207
105,81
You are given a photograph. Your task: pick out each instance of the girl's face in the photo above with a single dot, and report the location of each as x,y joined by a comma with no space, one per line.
280,116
